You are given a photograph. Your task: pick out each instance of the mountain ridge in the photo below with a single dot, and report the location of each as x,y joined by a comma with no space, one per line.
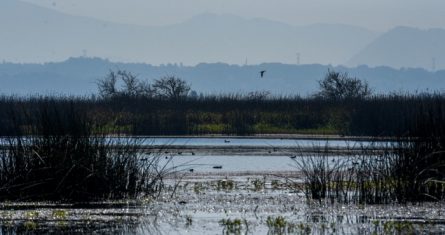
44,34
78,76
405,47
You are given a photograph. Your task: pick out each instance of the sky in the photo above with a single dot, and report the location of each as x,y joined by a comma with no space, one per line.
379,15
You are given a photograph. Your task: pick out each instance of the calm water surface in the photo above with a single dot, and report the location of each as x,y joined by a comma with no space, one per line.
217,142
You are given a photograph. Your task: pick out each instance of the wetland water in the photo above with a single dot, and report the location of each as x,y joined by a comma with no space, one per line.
248,194
246,141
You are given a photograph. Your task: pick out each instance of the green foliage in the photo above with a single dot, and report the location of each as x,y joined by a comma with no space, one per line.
398,227
278,225
258,184
30,225
60,214
198,187
233,226
226,185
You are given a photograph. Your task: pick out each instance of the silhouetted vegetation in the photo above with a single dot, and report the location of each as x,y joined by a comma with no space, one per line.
125,84
56,152
170,87
412,169
338,85
58,148
391,115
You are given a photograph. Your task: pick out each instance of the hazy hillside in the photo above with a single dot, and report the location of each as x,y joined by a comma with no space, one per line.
39,35
79,76
405,47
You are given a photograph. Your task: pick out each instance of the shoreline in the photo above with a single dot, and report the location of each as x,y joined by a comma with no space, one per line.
272,136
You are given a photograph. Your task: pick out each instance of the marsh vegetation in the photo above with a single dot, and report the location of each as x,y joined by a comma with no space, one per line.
73,152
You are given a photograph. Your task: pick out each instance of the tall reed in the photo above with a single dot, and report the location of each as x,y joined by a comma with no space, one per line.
57,153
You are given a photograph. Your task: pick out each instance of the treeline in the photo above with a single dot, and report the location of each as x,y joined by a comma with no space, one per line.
255,113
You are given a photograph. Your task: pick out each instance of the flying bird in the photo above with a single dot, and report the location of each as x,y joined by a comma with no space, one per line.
262,73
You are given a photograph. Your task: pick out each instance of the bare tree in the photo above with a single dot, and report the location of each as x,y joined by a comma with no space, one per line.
170,87
337,85
131,83
145,89
107,85
131,86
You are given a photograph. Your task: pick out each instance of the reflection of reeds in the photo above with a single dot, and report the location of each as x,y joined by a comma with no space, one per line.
56,156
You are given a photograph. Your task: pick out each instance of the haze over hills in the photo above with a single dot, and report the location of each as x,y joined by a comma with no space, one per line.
37,35
78,76
40,34
405,47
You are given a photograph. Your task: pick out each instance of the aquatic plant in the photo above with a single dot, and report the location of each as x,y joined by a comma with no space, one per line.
188,220
233,226
226,185
275,184
60,214
279,225
198,187
258,184
57,156
406,170
276,223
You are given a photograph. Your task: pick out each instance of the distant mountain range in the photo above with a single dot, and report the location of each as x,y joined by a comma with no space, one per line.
78,76
405,47
32,35
39,34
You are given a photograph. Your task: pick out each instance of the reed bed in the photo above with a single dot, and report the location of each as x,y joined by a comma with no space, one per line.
56,153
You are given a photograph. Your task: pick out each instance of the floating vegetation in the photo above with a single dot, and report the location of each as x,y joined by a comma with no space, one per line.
277,225
234,226
226,185
258,184
60,214
198,187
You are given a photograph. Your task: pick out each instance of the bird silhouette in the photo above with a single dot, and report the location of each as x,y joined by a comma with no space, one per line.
262,73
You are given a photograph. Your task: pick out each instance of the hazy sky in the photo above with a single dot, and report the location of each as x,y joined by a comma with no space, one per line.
373,14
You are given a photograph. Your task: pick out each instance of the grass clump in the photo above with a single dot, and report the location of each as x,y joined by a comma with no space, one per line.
60,214
258,184
233,226
57,157
279,225
408,169
226,185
